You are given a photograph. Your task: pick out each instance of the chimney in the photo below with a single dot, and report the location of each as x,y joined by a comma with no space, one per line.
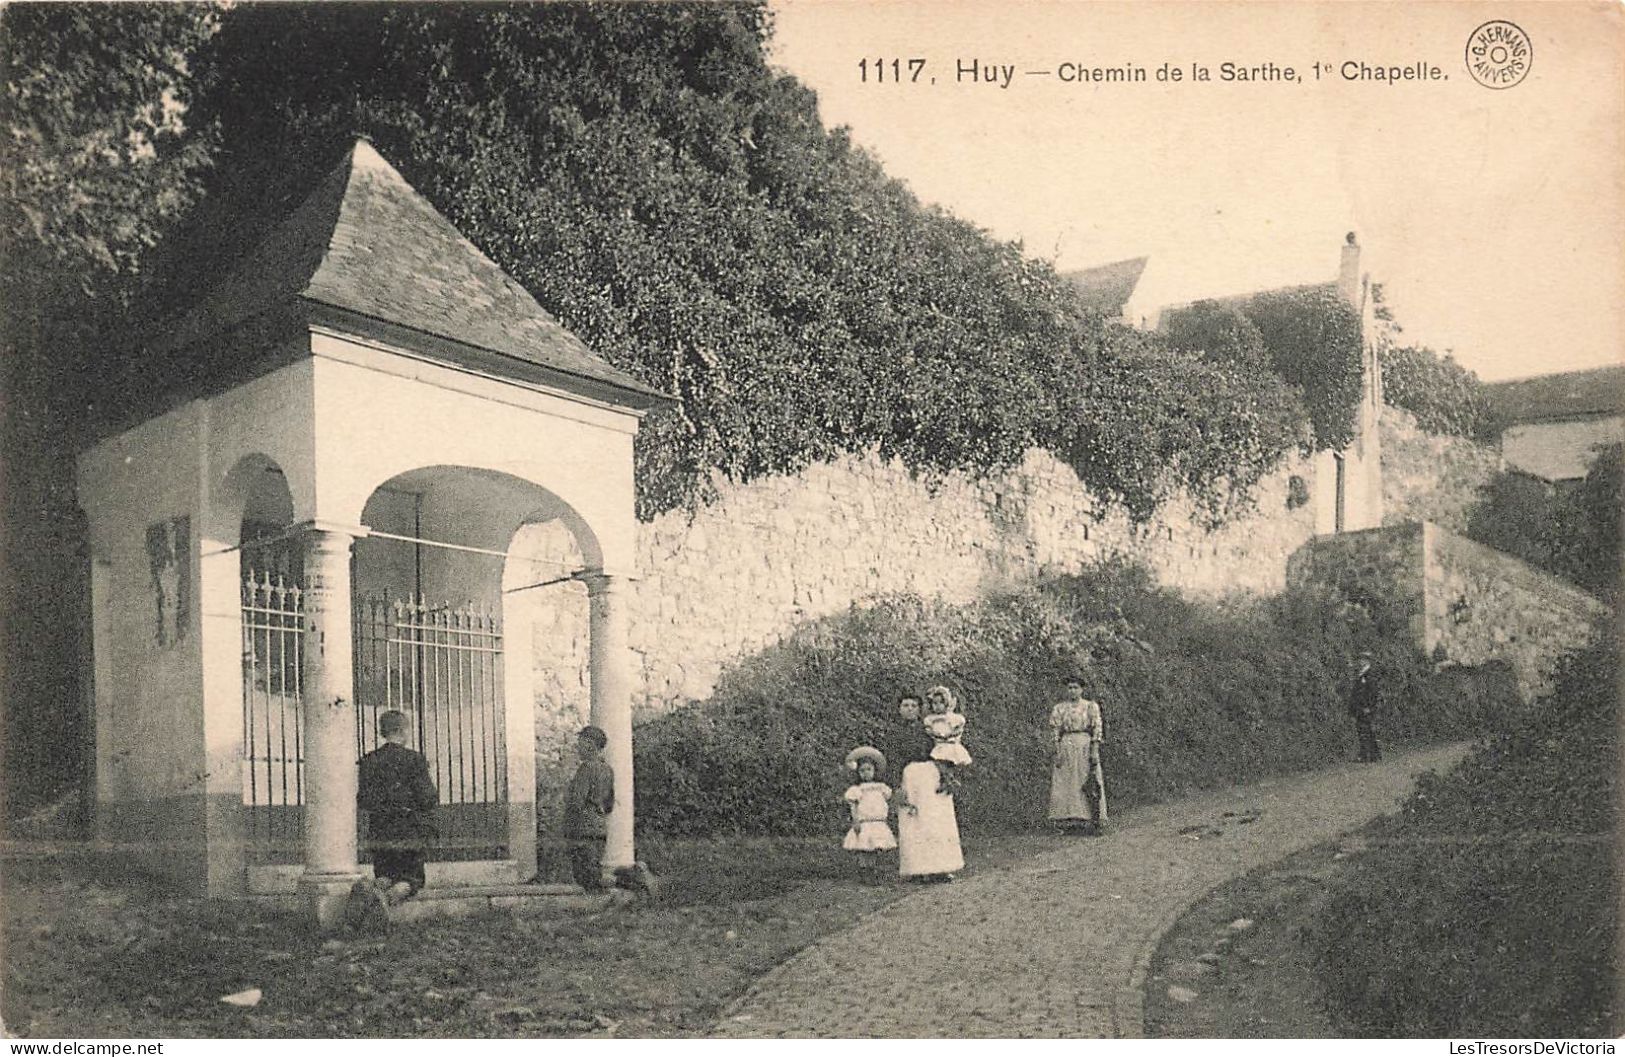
1348,272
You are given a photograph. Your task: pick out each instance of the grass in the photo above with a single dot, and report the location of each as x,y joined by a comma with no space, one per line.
1507,866
86,958
1487,906
1273,979
1257,982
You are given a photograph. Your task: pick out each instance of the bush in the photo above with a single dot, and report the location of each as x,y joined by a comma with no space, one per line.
1573,532
1306,341
1488,908
1314,340
1445,397
1195,696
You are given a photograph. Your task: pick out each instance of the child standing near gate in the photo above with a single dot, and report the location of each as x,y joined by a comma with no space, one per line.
588,800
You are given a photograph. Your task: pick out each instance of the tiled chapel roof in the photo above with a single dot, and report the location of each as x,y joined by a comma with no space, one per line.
365,242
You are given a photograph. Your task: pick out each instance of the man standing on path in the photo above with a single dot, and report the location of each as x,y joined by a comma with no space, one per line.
1363,705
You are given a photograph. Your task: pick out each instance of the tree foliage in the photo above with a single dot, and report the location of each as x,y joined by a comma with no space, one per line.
1585,538
97,153
1572,532
98,158
1445,397
642,170
682,207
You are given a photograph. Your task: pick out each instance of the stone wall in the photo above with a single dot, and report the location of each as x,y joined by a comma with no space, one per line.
1385,565
1466,602
1483,604
1427,477
739,574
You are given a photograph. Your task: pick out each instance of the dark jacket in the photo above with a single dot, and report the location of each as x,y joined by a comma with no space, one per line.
908,743
1363,693
588,798
397,794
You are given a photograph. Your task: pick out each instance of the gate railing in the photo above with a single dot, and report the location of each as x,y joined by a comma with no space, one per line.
273,744
442,665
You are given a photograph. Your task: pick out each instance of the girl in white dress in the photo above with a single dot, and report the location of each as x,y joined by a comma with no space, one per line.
869,801
946,725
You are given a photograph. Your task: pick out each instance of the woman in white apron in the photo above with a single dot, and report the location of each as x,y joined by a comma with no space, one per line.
927,829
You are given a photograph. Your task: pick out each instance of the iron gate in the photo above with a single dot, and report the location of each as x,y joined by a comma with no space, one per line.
273,743
442,666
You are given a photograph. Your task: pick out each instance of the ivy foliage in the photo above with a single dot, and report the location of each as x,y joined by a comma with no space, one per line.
1217,331
679,204
1445,397
652,180
1307,338
1314,342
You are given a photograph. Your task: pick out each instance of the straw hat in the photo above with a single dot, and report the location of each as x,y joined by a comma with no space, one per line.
866,752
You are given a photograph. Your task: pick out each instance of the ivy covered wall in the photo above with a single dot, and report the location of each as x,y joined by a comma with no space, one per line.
766,557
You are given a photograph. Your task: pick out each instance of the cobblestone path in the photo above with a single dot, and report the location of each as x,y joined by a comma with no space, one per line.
1058,945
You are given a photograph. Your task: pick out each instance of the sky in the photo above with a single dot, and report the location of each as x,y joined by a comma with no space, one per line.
1493,217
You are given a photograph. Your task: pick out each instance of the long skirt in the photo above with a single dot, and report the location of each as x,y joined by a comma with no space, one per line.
927,837
1071,783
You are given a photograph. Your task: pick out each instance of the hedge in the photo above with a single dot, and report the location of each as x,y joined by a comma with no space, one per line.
1488,907
1194,695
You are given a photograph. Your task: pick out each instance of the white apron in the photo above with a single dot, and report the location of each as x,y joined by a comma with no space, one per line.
927,837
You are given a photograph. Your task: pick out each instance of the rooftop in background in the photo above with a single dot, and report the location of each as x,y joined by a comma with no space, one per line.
366,243
1144,292
1106,289
1551,397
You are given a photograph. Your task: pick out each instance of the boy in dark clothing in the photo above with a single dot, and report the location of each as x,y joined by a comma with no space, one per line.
399,797
588,800
1363,700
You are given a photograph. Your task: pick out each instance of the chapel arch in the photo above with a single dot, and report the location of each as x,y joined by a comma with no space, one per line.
470,597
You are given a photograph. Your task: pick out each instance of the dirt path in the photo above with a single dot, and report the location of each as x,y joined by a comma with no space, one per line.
1058,945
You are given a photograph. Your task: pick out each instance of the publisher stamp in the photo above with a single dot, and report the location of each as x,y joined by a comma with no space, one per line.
1498,54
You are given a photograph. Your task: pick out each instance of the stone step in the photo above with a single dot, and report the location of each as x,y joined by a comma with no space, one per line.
464,900
434,891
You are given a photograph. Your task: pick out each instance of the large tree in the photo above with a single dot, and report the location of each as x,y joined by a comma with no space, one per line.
644,172
98,158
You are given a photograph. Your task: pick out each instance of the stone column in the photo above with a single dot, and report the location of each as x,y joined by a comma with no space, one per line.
329,726
610,668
